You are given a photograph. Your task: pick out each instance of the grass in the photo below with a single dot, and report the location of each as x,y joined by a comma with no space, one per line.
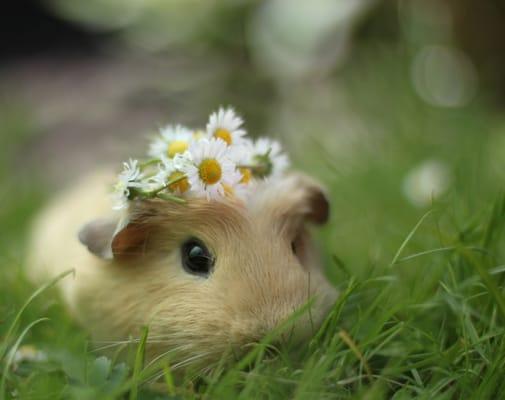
422,307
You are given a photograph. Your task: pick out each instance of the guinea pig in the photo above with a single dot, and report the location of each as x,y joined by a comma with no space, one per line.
205,276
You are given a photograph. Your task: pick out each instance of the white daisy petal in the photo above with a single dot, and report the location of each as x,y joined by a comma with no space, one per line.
225,124
130,177
173,139
211,172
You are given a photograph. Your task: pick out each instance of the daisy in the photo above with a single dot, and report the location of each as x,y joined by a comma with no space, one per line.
225,125
241,156
172,170
130,177
212,173
171,141
268,154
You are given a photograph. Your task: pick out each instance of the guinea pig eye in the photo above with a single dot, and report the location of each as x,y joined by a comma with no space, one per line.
196,258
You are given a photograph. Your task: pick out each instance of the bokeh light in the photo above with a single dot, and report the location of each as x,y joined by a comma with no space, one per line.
444,76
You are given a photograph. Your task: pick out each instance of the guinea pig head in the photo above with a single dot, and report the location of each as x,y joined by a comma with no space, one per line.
207,277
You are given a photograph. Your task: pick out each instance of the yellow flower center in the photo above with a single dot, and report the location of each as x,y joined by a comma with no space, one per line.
177,146
246,174
209,171
223,134
181,186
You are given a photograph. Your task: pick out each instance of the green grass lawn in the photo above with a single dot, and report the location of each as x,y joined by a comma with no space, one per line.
422,307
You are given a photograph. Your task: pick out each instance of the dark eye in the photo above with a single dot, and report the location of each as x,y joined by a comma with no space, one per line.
196,258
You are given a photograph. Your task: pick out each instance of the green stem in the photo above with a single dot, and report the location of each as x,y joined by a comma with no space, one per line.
260,170
175,180
150,162
169,197
157,193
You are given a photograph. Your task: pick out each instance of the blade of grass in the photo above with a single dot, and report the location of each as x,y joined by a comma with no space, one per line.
34,295
333,315
169,380
440,250
494,226
354,348
486,278
409,237
425,253
139,364
12,354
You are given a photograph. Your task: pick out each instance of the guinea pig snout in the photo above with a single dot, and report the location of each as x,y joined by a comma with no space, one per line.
277,325
288,306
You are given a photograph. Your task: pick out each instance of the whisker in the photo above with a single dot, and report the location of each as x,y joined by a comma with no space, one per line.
172,350
190,360
111,343
180,364
132,339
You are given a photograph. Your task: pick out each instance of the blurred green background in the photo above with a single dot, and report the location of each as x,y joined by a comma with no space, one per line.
392,104
398,106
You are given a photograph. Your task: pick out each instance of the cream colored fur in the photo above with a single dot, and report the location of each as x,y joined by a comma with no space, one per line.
256,284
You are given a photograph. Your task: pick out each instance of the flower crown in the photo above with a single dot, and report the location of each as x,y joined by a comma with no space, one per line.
217,162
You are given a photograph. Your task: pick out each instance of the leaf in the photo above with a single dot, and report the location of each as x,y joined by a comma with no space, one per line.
98,371
118,376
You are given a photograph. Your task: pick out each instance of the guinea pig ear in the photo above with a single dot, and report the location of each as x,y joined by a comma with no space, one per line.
318,205
110,239
291,199
130,241
295,195
97,236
